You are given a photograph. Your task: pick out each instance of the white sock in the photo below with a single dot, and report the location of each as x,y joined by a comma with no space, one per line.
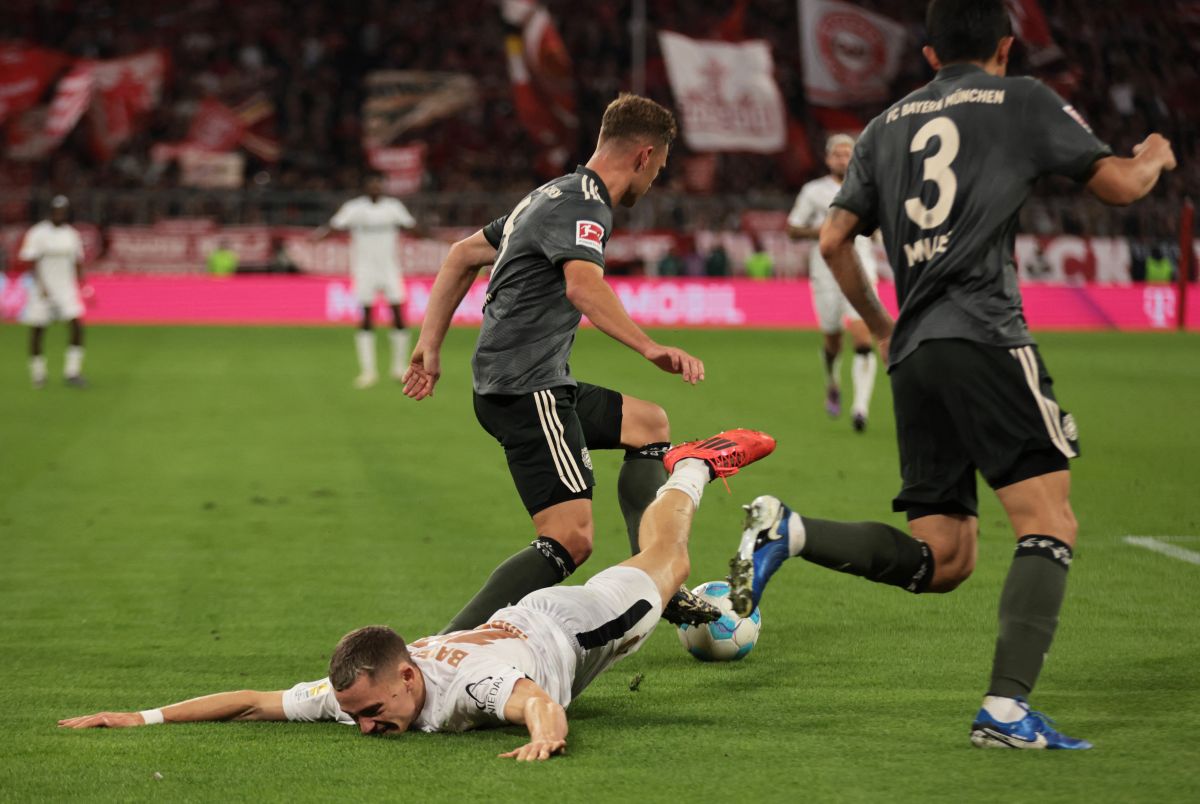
863,372
1005,710
74,362
364,342
37,368
690,476
796,534
832,372
399,338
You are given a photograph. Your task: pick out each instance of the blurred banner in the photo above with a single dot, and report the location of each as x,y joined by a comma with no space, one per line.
850,56
398,101
539,68
403,167
215,127
25,73
726,94
783,304
124,90
1029,24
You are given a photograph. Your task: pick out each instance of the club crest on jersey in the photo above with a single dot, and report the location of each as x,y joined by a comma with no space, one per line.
590,234
1077,117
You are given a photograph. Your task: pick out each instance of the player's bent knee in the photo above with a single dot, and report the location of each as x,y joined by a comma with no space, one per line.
578,543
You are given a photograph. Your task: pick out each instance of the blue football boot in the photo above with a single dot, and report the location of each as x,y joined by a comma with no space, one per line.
1034,730
763,548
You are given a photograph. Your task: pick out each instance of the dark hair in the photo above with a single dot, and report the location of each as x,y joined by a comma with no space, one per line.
365,650
634,117
966,30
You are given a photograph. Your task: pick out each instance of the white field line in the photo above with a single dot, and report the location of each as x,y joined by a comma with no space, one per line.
1160,546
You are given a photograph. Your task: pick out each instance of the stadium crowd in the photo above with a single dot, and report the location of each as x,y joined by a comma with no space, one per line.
1128,68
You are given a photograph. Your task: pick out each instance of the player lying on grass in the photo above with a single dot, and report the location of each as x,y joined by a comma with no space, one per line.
524,666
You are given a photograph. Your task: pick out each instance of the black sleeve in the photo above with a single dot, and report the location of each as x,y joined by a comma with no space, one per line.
1060,140
494,231
576,230
859,193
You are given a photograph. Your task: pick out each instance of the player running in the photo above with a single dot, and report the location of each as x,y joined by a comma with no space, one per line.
830,305
944,173
373,221
56,251
524,665
548,258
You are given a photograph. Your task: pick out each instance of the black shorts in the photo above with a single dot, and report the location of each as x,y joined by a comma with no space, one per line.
546,436
962,406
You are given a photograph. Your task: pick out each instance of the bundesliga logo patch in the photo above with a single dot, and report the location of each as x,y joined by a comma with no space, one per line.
590,234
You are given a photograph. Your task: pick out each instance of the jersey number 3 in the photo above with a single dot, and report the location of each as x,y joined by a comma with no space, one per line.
937,170
509,225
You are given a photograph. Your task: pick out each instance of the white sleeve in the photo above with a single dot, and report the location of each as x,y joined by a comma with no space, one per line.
404,218
78,245
30,246
313,700
480,691
802,211
344,218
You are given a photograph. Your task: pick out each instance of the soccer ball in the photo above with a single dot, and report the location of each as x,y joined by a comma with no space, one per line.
729,638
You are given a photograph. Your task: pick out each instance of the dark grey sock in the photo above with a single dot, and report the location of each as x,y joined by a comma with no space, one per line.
642,475
1033,594
872,550
543,563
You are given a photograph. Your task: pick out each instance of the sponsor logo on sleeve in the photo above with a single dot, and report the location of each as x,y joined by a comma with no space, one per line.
590,234
485,691
1077,117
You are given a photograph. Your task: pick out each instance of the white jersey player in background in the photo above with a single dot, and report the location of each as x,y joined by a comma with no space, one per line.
523,666
373,221
832,309
56,251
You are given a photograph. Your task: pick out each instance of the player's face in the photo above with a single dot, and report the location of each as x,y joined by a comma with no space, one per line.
838,160
654,162
58,215
383,705
374,186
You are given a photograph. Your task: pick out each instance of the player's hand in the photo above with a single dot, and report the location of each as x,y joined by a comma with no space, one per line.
1158,148
104,720
538,750
424,370
676,361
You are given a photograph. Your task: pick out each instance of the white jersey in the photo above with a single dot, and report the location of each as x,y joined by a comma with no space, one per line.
811,209
559,638
55,251
373,226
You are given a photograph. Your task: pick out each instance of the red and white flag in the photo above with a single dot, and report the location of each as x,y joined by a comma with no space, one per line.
25,73
215,127
850,55
125,89
403,167
72,98
726,94
543,86
1029,24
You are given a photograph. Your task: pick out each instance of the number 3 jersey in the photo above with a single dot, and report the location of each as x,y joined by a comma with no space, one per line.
944,173
529,324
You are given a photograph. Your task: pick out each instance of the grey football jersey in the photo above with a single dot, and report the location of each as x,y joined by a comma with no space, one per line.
943,173
528,323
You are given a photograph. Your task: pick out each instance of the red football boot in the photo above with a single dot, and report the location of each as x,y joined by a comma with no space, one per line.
725,453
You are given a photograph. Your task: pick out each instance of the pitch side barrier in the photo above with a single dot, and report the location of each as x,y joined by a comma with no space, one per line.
684,302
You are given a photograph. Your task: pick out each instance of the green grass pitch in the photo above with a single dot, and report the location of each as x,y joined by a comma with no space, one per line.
221,506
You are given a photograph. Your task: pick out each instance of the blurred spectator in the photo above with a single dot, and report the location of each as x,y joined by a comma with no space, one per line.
717,262
759,265
670,264
1159,268
223,261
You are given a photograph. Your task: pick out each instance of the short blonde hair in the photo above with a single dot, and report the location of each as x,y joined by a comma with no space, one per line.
837,139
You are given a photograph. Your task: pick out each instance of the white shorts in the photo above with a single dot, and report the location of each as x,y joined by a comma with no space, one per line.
605,620
61,302
830,305
369,280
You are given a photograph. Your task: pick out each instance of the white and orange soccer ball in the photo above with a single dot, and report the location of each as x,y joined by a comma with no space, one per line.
729,638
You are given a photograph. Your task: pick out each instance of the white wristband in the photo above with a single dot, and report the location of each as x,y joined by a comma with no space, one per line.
153,717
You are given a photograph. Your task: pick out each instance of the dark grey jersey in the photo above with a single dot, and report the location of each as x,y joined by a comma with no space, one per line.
528,323
944,173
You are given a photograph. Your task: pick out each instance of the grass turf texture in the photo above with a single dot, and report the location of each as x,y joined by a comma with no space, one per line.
221,506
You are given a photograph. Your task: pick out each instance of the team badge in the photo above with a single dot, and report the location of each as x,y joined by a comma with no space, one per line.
590,234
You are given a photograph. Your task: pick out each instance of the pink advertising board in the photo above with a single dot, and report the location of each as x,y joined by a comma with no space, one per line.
306,300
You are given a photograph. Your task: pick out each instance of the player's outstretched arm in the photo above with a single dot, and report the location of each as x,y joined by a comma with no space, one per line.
454,279
837,247
546,720
592,296
239,705
1119,181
